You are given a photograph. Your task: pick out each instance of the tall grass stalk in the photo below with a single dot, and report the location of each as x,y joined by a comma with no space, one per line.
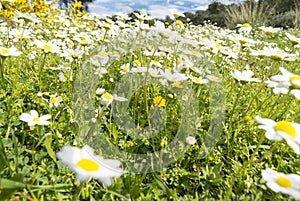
248,12
297,14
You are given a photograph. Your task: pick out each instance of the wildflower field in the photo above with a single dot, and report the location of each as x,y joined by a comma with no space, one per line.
117,109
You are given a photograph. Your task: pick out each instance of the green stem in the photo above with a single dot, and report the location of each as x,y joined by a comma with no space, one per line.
146,99
243,168
40,71
78,191
3,153
272,107
255,96
235,104
231,118
114,193
287,106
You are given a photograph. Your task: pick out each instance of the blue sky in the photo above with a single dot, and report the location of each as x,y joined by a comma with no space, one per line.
157,8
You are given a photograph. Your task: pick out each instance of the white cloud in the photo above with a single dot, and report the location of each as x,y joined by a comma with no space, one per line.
100,10
160,12
157,8
201,7
120,7
180,3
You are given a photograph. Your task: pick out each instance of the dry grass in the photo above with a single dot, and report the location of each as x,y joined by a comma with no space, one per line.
297,14
249,12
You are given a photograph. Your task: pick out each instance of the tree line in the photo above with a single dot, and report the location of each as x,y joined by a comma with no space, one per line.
276,13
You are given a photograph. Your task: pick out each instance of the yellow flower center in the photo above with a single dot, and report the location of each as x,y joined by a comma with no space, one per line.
163,34
137,62
53,100
196,80
107,96
262,54
78,4
67,75
83,40
246,25
295,81
176,15
286,127
177,85
125,69
47,47
269,33
248,118
36,119
107,25
18,35
103,54
179,23
195,52
154,62
284,182
159,101
5,51
72,55
88,165
277,56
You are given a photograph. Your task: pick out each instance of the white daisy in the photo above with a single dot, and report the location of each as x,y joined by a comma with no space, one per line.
125,68
245,28
277,131
175,13
106,98
269,30
86,164
292,38
55,100
34,119
48,46
284,183
244,76
100,91
198,80
173,77
285,83
12,51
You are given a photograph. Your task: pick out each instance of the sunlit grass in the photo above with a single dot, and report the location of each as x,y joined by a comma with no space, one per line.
70,79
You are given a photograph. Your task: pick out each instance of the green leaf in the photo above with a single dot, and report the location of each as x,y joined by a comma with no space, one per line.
2,161
48,143
161,184
10,186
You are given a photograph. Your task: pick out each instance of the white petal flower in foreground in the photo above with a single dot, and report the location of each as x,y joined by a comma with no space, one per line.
284,183
287,82
277,131
244,76
34,119
86,164
12,51
47,46
176,13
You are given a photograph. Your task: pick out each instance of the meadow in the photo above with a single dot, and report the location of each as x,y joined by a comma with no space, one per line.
116,109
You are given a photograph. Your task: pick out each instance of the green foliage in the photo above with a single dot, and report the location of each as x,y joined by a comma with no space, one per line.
29,169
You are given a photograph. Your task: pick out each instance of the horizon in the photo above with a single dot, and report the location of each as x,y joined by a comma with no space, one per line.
156,8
